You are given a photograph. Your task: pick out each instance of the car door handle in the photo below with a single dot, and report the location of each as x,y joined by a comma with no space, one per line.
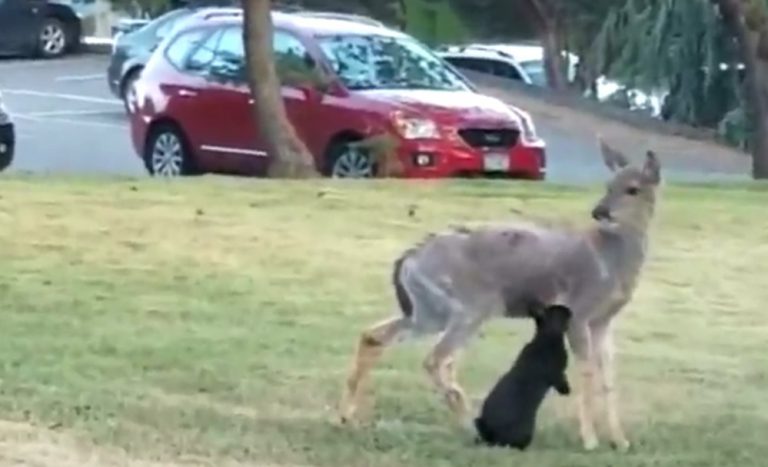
186,93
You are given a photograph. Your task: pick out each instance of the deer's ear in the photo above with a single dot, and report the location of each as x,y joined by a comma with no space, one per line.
652,168
613,159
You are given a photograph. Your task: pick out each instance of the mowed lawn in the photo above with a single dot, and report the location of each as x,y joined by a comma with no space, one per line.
211,322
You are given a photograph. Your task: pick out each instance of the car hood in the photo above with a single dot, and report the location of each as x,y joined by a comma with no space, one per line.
449,107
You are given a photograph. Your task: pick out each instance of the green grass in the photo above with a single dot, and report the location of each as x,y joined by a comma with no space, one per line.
213,320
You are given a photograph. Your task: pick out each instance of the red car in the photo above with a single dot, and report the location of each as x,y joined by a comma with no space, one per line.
190,109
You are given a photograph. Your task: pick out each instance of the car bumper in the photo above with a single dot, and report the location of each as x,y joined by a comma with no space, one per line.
7,144
437,160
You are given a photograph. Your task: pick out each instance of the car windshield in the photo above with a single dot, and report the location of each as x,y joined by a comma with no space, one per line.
165,23
380,62
535,70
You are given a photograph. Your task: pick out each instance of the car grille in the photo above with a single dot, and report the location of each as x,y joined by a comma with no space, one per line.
489,138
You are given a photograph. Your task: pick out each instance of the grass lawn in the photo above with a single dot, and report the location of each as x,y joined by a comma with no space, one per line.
211,322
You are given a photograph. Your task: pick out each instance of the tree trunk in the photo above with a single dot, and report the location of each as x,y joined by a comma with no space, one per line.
545,17
290,157
750,32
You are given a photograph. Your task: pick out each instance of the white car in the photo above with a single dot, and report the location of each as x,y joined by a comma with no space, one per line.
521,62
525,62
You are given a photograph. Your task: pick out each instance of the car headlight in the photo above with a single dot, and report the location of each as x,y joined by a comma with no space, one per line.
415,128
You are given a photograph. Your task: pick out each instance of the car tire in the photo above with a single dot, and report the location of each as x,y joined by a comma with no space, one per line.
127,86
7,144
167,154
343,160
52,39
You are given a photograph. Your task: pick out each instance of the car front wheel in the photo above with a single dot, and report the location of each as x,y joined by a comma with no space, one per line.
167,154
52,38
345,160
128,92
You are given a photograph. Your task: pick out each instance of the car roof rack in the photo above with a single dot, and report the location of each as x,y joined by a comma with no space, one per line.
222,12
479,47
355,18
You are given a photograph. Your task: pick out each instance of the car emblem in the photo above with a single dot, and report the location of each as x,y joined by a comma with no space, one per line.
493,138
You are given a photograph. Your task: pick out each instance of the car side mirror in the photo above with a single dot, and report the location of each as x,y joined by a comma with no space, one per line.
309,61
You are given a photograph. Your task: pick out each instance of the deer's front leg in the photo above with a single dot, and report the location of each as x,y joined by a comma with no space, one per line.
580,339
604,350
440,365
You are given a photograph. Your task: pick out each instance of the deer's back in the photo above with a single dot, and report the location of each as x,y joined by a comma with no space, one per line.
507,267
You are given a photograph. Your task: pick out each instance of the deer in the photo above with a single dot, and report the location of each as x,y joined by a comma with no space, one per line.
453,281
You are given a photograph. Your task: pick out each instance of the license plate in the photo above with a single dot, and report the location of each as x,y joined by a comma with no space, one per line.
496,162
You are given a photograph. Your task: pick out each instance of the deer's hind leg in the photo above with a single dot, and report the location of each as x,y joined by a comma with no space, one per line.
370,348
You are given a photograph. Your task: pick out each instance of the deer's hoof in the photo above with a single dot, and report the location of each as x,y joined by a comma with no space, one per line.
590,444
347,414
621,445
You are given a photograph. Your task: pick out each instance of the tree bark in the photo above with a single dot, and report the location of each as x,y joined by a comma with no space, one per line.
545,17
749,24
289,156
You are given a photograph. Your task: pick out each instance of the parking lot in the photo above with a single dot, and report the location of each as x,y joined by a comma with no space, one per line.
68,122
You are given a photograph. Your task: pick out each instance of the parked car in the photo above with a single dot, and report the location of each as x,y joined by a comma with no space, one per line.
45,28
525,62
136,38
193,109
522,62
132,49
126,25
7,137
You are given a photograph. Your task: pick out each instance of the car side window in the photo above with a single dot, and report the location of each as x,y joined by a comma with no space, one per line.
475,64
183,44
201,58
228,61
294,63
506,70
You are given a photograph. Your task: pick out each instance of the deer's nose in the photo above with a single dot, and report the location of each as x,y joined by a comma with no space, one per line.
601,212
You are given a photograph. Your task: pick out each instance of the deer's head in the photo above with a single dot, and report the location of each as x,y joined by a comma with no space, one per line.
630,196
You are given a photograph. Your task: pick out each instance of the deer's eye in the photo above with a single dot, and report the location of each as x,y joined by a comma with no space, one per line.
633,190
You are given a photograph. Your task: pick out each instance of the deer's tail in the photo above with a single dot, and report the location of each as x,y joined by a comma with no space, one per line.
403,300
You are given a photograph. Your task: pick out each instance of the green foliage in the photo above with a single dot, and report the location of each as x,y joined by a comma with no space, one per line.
735,129
491,20
388,11
676,45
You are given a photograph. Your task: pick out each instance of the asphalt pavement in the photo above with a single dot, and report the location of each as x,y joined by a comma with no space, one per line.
68,122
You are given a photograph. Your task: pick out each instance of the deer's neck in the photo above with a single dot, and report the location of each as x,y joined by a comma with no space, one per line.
621,250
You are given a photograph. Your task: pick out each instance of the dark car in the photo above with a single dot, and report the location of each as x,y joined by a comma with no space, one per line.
135,41
38,27
131,50
7,137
